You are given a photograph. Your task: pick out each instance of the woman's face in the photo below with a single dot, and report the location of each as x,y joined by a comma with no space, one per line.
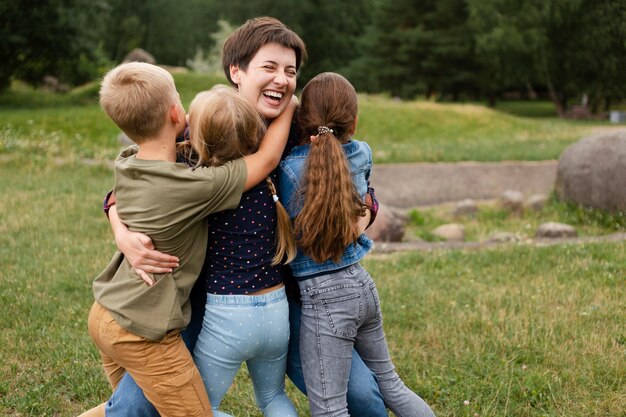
270,79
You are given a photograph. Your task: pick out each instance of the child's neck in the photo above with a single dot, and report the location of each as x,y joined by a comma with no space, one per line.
158,148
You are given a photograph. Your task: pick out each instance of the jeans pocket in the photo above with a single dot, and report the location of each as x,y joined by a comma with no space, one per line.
377,311
344,313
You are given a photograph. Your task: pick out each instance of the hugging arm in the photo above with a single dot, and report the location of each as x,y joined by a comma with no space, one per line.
261,163
139,250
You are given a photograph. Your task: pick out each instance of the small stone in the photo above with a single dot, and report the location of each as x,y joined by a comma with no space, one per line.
537,202
450,232
502,237
512,201
465,207
555,230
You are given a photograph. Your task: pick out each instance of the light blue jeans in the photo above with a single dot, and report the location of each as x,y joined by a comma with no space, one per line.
252,329
364,399
341,311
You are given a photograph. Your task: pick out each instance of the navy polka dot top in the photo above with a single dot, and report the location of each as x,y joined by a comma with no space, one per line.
241,246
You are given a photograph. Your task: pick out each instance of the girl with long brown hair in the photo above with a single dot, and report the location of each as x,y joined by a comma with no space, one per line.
323,184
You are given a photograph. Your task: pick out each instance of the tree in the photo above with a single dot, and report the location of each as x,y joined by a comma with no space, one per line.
50,37
572,47
171,34
425,48
330,29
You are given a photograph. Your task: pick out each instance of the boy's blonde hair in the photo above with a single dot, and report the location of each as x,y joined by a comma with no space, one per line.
224,126
137,97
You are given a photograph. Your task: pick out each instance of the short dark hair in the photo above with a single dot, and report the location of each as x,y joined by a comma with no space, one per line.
245,42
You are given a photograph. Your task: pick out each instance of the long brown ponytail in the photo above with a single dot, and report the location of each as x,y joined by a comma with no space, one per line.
327,223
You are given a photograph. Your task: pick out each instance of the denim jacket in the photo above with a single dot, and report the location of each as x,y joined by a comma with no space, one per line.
291,171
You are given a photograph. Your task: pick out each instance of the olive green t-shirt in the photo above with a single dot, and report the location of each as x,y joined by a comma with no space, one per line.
168,202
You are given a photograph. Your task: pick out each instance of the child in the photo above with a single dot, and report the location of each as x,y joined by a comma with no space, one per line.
137,327
247,313
323,183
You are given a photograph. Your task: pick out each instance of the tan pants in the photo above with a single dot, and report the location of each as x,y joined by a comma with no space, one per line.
164,370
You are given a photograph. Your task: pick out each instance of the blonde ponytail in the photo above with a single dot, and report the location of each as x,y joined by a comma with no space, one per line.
285,243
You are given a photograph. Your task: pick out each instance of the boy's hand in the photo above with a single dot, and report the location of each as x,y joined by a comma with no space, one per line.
140,253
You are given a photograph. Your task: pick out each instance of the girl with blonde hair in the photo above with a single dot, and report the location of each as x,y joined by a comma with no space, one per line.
246,313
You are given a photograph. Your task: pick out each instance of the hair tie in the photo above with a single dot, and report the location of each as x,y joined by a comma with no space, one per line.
320,131
324,129
272,188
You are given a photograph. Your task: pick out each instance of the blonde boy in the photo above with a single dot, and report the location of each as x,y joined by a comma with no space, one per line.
137,327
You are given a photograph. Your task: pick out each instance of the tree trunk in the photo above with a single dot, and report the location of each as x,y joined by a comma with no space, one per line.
559,104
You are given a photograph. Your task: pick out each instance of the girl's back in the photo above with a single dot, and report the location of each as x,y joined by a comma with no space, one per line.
241,246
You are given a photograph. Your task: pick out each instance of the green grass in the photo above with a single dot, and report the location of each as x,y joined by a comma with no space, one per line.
517,331
432,132
491,218
527,108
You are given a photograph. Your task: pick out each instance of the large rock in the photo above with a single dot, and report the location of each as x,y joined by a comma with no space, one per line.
139,55
592,172
389,226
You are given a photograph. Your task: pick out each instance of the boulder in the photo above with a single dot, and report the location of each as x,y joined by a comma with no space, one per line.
139,55
592,172
52,84
555,230
450,232
389,226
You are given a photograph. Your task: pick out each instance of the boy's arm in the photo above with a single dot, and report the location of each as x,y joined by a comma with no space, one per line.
139,250
266,159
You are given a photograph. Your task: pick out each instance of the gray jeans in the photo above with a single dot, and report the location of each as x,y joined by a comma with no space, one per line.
340,311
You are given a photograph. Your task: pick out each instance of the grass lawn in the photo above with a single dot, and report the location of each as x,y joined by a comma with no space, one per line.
516,331
511,331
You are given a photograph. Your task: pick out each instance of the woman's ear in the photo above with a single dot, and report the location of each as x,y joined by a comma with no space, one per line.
234,73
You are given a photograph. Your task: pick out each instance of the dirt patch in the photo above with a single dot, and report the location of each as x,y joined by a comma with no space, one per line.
413,185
